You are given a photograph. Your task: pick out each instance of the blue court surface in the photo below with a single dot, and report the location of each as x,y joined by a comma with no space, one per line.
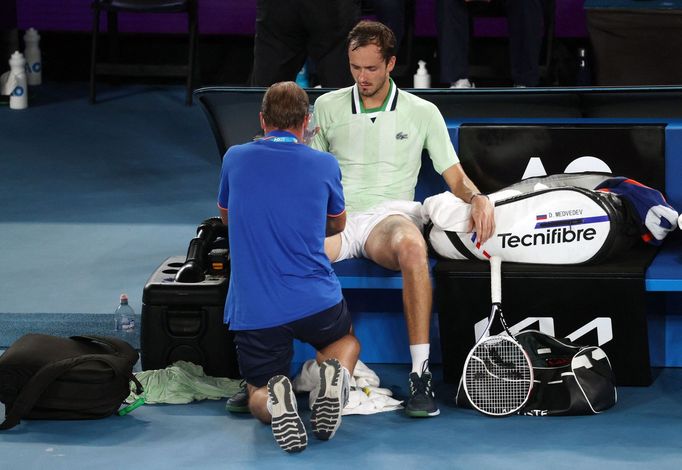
641,432
94,198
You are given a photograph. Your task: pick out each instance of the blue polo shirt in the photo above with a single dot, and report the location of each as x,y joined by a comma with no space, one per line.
278,194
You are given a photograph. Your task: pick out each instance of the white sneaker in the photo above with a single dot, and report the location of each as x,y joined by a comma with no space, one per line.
330,399
462,83
287,427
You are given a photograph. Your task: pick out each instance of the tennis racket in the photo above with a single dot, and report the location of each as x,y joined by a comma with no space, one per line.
498,375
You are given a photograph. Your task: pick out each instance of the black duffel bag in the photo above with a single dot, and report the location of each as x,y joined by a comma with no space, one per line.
51,377
569,379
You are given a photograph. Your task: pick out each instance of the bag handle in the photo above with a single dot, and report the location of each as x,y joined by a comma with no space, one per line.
101,340
460,246
47,374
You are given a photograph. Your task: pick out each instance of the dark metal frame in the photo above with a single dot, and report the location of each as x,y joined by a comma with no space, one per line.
112,67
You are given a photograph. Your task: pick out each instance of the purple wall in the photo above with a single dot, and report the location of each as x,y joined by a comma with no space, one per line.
570,20
215,17
238,17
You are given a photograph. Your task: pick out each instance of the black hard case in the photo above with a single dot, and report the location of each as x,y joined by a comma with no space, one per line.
184,321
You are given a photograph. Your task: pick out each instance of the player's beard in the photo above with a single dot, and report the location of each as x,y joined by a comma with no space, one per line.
372,90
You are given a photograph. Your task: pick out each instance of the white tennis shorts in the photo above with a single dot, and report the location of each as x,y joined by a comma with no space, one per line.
359,225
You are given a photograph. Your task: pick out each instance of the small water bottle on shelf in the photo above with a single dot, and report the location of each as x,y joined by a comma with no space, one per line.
302,77
422,79
584,75
124,316
34,64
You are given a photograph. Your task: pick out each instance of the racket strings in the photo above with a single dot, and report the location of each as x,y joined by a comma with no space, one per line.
498,376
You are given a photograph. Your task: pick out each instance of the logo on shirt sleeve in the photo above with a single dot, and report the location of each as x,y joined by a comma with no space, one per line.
400,136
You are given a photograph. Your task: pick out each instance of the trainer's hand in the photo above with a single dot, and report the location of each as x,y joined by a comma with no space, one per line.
482,218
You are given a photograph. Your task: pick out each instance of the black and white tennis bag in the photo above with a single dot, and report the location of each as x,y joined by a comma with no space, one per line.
535,223
569,379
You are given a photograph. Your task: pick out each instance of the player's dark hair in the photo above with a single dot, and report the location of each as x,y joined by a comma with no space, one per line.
284,105
372,32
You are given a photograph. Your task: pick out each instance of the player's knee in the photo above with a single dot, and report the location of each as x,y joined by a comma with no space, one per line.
412,253
350,345
354,345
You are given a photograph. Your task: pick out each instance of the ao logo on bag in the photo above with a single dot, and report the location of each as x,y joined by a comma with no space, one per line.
579,165
602,325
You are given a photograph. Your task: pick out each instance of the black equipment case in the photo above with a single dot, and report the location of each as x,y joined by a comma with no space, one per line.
184,321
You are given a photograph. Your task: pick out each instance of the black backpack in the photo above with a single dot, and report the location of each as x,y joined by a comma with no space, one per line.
51,377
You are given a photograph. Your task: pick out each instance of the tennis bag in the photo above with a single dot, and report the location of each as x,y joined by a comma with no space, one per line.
569,379
560,225
50,377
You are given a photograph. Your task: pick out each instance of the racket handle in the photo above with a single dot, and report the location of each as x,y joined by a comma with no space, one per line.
496,279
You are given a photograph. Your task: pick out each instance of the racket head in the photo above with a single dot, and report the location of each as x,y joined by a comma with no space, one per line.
498,376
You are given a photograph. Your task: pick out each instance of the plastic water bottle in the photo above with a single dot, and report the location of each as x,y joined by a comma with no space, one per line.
125,316
584,75
312,129
34,64
302,77
422,79
16,86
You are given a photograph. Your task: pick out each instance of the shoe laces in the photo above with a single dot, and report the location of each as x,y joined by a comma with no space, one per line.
421,385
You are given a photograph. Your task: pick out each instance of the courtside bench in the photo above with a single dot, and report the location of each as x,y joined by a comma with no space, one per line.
664,274
606,304
611,120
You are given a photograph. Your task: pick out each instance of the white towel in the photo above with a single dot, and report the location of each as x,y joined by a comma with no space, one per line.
448,212
6,85
366,397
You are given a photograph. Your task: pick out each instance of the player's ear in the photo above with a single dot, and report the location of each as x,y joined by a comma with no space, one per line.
391,64
262,121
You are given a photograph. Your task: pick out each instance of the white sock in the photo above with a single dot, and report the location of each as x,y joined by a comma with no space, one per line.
419,353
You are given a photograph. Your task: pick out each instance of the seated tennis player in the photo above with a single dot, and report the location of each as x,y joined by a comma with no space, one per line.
377,132
282,198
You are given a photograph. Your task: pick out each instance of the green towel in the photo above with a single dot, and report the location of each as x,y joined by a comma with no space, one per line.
183,382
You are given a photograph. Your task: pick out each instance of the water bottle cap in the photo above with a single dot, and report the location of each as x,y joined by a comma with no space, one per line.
124,297
17,60
422,68
31,35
